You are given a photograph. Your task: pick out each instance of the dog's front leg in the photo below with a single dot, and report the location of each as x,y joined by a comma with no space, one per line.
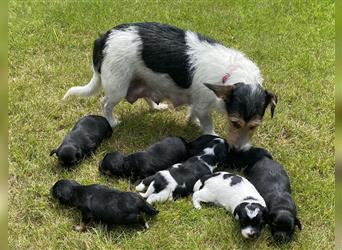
86,220
206,122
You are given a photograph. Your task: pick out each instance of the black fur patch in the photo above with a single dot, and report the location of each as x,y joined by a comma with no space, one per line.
209,159
227,176
235,180
164,51
246,102
159,183
249,198
98,54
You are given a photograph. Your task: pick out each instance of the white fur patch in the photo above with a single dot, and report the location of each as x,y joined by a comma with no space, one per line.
246,232
219,191
140,187
252,213
176,165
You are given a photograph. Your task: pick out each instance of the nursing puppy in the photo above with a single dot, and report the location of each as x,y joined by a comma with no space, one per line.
84,138
273,183
159,61
178,181
158,156
100,203
237,195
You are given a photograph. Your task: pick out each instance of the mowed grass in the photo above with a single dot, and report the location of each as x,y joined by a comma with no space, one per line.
50,46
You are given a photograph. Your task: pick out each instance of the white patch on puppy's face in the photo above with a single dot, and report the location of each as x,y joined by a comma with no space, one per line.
252,213
209,151
176,165
247,232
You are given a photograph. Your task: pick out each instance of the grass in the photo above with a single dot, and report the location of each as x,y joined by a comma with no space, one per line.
50,50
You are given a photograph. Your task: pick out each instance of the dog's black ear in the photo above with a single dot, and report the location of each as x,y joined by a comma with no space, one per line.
54,151
266,215
298,224
271,99
221,91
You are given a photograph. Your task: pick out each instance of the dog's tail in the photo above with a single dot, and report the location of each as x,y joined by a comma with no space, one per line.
91,88
148,208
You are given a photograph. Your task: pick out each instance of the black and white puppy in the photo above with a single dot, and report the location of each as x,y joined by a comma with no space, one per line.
237,195
84,138
178,181
158,156
273,183
159,61
100,203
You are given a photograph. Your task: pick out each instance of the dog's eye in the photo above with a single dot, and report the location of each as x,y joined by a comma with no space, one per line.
236,124
253,127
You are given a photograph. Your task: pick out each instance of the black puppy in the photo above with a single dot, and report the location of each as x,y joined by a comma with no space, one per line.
158,156
85,137
273,183
100,203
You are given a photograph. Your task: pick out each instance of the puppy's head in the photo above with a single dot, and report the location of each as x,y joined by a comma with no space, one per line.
283,225
68,155
245,105
113,164
63,190
252,218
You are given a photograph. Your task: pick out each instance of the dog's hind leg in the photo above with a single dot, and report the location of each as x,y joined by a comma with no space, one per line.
200,196
162,196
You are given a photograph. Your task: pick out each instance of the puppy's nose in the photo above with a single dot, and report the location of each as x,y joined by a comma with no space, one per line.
253,235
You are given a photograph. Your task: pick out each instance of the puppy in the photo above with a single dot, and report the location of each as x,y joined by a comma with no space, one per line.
100,203
273,183
84,138
159,61
178,181
158,156
237,195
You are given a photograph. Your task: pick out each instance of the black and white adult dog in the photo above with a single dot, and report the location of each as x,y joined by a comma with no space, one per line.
159,156
178,181
273,183
159,61
100,203
237,195
84,138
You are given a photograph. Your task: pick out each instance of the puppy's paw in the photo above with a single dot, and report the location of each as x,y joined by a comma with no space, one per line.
80,228
197,206
160,106
140,187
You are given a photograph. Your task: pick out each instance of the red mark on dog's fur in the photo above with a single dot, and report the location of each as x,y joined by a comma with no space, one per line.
225,77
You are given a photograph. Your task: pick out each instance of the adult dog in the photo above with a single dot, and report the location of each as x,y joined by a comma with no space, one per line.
159,61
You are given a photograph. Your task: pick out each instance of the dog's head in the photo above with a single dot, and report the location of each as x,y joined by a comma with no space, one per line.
63,190
245,105
113,164
283,225
252,218
68,155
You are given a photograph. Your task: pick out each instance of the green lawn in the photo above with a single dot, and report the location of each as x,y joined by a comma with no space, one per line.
50,46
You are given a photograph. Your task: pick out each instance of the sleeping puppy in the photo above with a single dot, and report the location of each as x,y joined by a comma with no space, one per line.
273,183
85,137
158,156
178,181
100,203
237,195
196,146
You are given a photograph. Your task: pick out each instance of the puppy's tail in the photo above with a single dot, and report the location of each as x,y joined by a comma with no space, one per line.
91,88
148,208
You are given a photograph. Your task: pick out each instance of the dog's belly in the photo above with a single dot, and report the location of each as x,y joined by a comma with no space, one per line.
157,87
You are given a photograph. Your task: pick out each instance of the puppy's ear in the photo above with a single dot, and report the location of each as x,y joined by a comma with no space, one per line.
266,215
298,224
54,151
271,99
221,91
